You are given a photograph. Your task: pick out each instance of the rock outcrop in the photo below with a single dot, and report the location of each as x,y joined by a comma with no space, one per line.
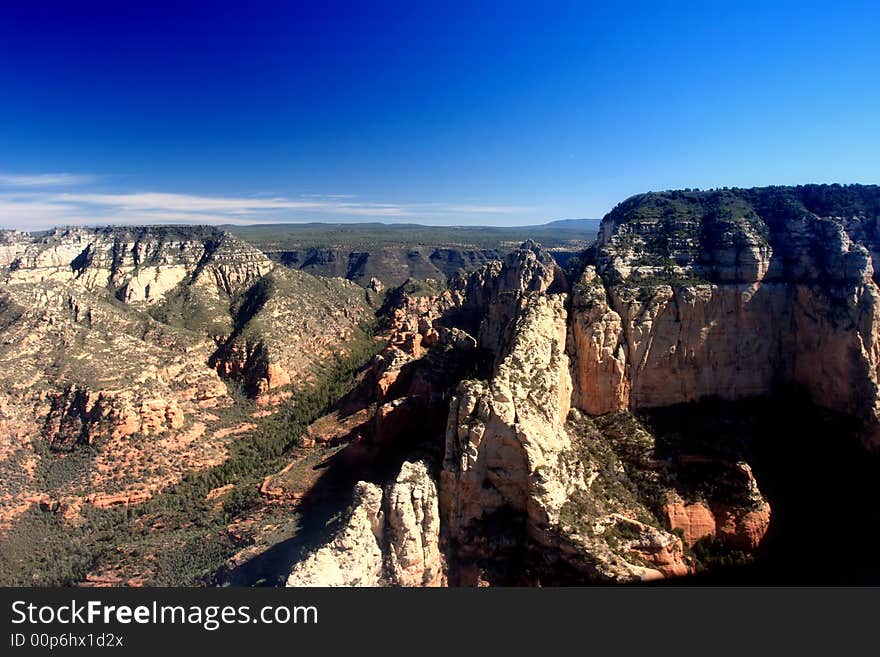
511,468
506,446
412,521
731,294
79,416
389,539
740,524
354,556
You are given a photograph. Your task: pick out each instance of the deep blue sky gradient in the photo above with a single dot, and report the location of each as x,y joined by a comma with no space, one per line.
443,113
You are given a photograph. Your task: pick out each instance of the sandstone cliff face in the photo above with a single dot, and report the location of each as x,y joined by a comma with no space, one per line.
511,468
599,361
740,528
728,294
413,529
505,445
140,265
388,539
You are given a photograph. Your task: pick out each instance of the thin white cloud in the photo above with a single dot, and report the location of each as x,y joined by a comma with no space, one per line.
33,209
163,202
44,179
26,212
186,202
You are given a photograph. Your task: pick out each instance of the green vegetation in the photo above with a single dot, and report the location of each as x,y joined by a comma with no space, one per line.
184,307
822,200
60,470
633,445
712,554
421,288
675,237
745,205
668,276
618,486
621,533
584,288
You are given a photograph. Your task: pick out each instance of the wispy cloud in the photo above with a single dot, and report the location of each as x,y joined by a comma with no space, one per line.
189,203
27,205
45,179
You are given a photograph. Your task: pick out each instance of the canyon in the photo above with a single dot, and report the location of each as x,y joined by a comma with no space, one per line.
624,415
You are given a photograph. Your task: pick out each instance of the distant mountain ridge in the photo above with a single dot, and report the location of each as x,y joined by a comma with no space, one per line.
393,253
325,234
583,224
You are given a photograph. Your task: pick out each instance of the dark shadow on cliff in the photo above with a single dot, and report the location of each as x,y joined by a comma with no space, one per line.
819,480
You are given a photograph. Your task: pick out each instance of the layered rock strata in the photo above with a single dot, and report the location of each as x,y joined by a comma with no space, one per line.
732,294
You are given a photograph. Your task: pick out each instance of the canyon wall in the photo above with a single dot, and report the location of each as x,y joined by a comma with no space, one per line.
730,294
514,466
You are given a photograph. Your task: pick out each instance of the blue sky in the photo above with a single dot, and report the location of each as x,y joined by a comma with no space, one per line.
446,113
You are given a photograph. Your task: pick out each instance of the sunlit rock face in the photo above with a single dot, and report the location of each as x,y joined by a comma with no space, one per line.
389,538
514,468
